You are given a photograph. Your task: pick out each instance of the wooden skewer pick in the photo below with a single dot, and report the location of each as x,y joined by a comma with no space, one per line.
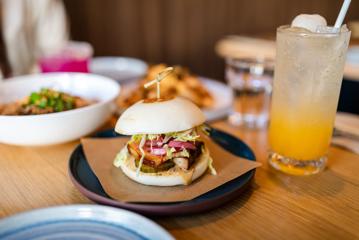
160,76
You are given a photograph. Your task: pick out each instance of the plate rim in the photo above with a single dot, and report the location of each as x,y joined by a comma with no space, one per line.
158,209
99,214
143,64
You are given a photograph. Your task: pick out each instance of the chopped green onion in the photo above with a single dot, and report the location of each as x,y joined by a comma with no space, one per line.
47,98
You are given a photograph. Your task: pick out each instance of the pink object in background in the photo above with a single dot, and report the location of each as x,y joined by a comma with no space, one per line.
74,57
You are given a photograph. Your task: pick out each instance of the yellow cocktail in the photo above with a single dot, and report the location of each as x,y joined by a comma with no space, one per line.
296,139
307,80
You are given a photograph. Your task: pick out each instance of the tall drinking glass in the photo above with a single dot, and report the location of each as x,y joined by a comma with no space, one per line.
307,80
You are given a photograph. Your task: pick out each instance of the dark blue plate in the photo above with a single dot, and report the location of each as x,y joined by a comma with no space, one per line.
86,181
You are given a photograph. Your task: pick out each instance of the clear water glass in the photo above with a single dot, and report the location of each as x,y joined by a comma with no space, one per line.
251,82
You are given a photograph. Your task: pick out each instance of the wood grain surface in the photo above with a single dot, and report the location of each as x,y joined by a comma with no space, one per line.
276,206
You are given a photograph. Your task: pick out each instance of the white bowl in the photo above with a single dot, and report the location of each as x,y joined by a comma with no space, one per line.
54,128
121,69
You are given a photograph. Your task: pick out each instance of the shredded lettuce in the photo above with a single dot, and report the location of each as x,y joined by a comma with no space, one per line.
169,151
186,136
184,153
205,129
210,166
120,157
136,138
142,143
152,136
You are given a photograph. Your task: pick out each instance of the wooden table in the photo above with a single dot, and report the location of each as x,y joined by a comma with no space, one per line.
277,206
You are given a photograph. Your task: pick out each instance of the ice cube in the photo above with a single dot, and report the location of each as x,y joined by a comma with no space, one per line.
309,21
299,30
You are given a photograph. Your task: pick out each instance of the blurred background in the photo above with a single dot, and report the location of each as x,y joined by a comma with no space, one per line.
35,36
185,31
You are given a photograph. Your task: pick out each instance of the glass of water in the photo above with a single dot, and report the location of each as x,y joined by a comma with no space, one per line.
251,82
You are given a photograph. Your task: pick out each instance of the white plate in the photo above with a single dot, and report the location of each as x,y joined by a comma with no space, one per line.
223,97
119,68
53,128
77,222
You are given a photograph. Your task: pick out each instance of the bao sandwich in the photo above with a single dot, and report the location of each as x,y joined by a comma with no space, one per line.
165,148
